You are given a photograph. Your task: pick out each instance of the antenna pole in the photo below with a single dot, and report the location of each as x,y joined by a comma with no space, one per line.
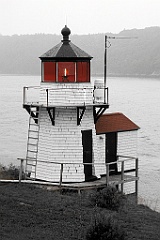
105,59
105,67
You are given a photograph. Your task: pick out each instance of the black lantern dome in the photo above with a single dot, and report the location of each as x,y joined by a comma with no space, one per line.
63,50
66,62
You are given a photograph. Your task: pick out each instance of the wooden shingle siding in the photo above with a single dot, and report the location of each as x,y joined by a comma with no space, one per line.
63,143
127,143
67,94
129,187
101,169
127,146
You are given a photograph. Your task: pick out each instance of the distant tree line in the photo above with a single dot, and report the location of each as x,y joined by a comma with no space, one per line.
137,56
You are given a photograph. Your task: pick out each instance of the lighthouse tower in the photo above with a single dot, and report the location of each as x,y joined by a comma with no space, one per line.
62,121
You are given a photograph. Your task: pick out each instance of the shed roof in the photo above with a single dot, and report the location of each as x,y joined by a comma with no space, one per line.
114,122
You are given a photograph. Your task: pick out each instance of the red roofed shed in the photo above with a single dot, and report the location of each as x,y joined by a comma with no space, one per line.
114,122
110,125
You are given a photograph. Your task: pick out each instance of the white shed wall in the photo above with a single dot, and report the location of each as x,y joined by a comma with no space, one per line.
127,143
126,146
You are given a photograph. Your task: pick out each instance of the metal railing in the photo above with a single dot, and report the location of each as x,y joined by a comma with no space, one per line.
31,94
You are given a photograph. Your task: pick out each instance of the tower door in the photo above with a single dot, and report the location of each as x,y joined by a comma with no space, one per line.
111,150
87,153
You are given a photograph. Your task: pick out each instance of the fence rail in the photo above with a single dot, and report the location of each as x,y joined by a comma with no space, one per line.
31,94
122,180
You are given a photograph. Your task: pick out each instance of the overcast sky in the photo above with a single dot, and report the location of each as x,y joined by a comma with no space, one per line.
81,16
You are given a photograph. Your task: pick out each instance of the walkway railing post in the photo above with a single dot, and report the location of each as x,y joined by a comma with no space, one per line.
21,170
136,182
61,172
107,95
47,97
122,177
24,95
107,174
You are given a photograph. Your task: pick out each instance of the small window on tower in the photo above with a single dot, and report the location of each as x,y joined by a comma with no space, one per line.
49,71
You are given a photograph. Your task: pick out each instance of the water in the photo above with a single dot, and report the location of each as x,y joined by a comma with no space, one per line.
138,99
13,118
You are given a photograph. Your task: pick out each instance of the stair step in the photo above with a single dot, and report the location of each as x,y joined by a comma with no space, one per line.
32,144
30,130
33,137
33,130
35,151
29,164
31,159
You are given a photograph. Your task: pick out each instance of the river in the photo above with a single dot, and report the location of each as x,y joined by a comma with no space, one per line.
137,98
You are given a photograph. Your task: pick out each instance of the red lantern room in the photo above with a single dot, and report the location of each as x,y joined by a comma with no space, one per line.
65,62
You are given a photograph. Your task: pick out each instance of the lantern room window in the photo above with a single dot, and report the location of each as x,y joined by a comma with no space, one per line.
49,69
78,71
83,71
66,72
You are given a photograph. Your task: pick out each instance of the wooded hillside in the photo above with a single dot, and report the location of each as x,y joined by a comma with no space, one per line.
126,57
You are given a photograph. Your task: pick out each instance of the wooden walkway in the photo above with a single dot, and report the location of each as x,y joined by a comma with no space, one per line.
114,180
118,179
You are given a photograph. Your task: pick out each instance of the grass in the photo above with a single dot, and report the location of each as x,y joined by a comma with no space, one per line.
108,198
30,212
106,228
11,172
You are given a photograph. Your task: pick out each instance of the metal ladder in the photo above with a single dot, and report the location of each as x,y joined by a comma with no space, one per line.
32,144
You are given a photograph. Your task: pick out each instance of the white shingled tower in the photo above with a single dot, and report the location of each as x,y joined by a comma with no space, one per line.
62,122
